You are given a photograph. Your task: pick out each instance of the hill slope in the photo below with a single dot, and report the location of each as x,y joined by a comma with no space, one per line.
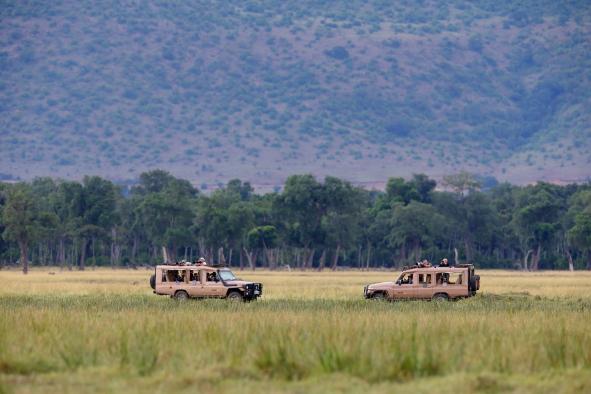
263,89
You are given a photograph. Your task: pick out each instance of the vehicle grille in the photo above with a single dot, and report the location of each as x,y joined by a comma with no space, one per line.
253,290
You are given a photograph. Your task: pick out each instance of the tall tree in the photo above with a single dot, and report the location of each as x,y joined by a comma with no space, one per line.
537,217
579,223
20,218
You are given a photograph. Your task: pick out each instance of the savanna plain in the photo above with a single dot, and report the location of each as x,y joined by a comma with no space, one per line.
104,331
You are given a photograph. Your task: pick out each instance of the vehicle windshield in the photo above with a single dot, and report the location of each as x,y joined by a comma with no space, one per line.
227,275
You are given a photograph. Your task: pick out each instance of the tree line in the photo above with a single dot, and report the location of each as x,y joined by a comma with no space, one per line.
309,224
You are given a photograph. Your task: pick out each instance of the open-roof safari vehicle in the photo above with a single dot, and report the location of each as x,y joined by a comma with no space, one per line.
432,283
202,281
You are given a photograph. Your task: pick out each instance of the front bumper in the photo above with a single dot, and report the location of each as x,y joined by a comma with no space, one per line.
366,292
253,290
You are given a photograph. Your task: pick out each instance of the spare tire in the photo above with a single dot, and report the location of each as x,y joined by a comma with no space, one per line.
153,281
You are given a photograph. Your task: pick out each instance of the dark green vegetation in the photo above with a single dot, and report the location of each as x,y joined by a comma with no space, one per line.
309,224
359,89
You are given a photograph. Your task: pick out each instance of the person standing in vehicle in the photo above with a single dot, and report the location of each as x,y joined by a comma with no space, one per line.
444,263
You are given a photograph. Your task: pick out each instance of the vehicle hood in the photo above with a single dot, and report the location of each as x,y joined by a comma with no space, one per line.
237,282
380,285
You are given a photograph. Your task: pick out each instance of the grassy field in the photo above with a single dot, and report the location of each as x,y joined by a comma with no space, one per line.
104,331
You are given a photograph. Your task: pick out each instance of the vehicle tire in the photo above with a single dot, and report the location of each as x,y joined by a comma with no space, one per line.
153,281
440,297
181,295
234,296
379,296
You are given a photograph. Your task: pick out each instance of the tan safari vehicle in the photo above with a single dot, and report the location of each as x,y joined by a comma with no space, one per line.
428,283
201,281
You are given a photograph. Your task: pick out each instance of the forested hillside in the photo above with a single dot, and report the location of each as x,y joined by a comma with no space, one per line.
309,224
363,90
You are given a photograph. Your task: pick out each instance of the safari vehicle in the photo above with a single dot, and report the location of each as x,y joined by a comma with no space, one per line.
428,283
201,281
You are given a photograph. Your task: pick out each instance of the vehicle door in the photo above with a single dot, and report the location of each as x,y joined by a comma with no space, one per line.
212,284
405,287
195,286
164,281
458,284
425,285
451,283
176,279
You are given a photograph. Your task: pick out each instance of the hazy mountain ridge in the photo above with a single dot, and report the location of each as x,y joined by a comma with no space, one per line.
261,90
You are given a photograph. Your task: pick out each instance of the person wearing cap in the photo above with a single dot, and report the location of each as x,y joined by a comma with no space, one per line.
425,263
444,263
201,261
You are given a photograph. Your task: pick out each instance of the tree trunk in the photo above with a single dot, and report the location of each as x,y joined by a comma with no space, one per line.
571,265
24,250
271,258
241,262
134,250
81,263
589,260
322,260
62,252
251,257
368,255
456,256
335,259
525,267
468,251
536,258
93,253
417,250
359,257
309,261
113,242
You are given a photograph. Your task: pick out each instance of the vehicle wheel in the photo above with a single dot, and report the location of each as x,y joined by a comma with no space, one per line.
234,296
440,297
379,296
181,295
153,281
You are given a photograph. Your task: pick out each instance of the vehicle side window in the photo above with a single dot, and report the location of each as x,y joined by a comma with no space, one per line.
177,276
455,279
447,278
425,279
169,275
406,279
195,277
212,277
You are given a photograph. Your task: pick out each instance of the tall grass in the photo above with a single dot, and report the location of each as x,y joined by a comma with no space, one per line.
142,336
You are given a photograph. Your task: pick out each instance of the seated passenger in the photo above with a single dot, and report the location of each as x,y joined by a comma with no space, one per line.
444,263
